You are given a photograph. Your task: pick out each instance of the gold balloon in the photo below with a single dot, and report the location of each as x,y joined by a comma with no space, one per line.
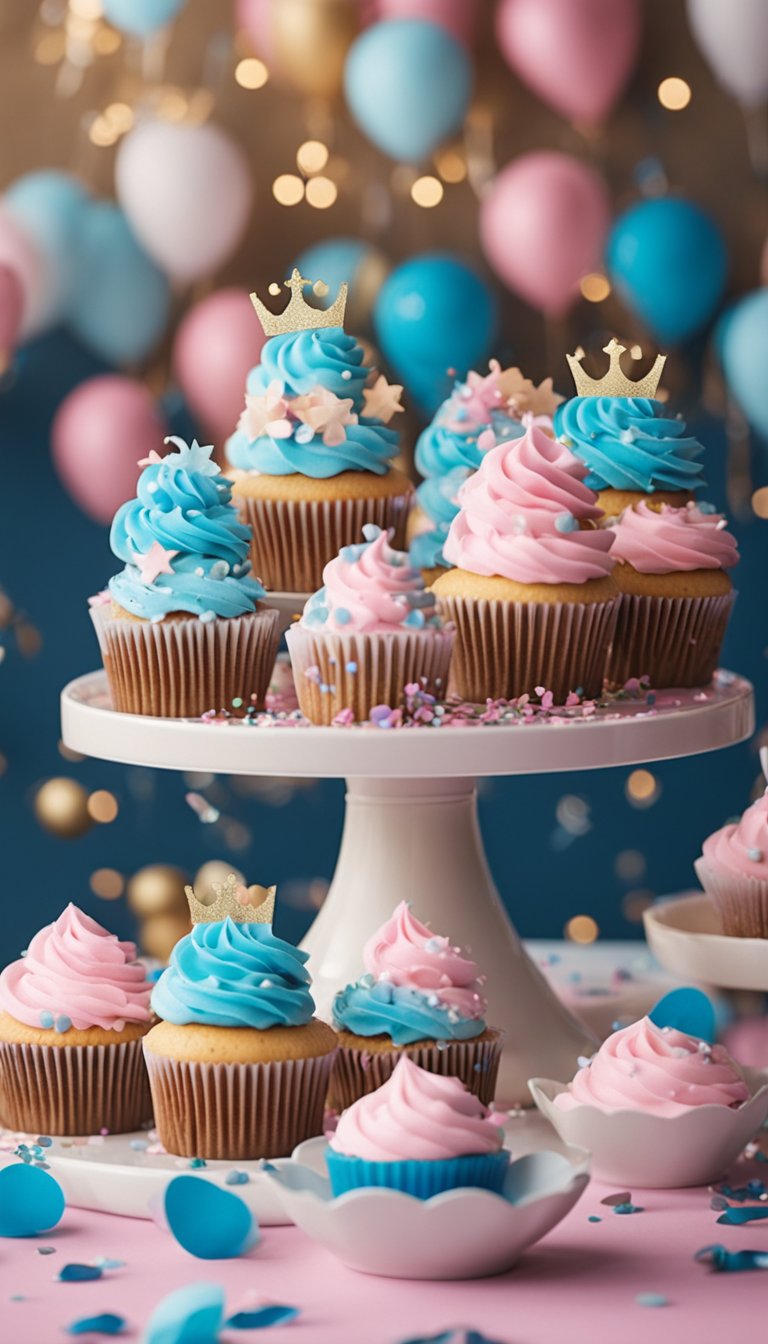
61,806
216,870
157,890
310,40
159,934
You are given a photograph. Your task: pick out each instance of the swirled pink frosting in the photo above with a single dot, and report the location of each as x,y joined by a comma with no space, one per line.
370,588
668,540
76,974
417,1115
658,1069
519,516
405,952
740,849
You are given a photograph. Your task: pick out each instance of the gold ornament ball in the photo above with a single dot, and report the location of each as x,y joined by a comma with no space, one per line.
61,807
215,870
159,934
157,890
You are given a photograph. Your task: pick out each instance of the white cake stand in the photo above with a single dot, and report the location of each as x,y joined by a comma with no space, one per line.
411,827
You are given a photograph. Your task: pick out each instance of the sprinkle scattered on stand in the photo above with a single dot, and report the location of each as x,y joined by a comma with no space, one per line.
107,1323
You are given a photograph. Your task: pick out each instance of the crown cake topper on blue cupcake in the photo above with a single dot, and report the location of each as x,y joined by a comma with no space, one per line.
299,315
615,382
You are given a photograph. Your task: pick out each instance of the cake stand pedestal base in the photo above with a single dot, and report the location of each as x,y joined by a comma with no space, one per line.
419,840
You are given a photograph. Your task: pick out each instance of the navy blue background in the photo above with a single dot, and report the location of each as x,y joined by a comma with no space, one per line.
52,558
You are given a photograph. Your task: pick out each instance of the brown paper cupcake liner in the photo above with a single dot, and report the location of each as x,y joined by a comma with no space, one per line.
507,649
293,539
73,1089
741,902
358,1072
181,669
238,1111
359,671
675,641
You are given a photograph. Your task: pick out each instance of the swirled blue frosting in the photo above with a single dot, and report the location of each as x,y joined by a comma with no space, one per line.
440,449
406,1015
183,504
437,497
234,975
630,443
301,361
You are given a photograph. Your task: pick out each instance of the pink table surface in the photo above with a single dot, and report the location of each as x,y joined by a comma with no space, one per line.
579,1284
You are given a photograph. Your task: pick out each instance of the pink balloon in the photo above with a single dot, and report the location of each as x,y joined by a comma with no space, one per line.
217,343
457,16
577,55
20,253
100,431
252,17
543,226
11,309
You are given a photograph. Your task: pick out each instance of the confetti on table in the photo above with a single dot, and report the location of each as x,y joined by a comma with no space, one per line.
593,1218
107,1323
236,1178
652,1300
261,1317
628,1207
624,1198
46,1250
207,1220
190,1315
75,1273
31,1201
456,1336
735,1217
731,1262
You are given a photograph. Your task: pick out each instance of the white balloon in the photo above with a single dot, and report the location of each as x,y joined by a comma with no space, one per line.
187,192
733,35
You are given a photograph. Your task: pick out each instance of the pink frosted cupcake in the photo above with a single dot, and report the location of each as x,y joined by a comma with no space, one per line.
733,870
532,595
421,996
655,1069
73,1012
371,630
420,1134
676,596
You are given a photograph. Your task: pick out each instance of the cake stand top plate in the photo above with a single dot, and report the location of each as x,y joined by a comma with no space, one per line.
681,723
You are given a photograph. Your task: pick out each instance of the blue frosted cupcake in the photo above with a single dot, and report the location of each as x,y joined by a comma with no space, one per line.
183,630
312,453
420,1134
239,1064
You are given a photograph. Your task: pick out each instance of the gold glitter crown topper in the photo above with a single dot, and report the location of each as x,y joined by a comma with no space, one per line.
615,383
299,316
244,905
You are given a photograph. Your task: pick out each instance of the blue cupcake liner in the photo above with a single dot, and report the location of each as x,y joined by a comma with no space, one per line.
422,1179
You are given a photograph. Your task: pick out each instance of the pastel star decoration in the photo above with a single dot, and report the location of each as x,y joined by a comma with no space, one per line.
192,456
327,414
521,394
155,561
267,413
382,401
151,460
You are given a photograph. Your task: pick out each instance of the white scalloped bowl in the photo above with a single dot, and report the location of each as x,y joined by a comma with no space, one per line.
460,1234
635,1148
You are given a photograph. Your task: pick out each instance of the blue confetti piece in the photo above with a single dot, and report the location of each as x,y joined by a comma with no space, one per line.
46,1250
208,1221
262,1317
594,1218
44,1141
75,1273
139,1145
628,1208
687,1010
456,1336
107,1323
191,1315
236,1178
731,1262
196,1163
31,1201
104,1263
351,668
652,1300
415,619
735,1217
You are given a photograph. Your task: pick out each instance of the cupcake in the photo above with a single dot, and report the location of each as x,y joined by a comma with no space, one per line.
238,1066
656,1069
421,997
532,595
73,1011
630,444
676,596
420,1134
312,452
370,631
481,411
733,870
184,630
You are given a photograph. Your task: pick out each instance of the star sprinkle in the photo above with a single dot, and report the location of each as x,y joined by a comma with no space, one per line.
192,456
151,460
382,401
101,599
156,561
267,413
325,413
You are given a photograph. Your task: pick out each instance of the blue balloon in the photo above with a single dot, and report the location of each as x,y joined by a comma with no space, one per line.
434,313
668,262
140,18
48,204
688,1010
120,299
407,83
361,264
745,357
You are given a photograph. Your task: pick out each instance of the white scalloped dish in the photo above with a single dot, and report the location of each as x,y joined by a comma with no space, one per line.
637,1148
460,1234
